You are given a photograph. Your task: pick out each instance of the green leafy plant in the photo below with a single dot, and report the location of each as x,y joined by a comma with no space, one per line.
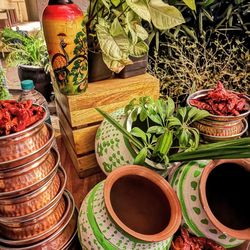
115,27
4,93
165,135
25,49
158,129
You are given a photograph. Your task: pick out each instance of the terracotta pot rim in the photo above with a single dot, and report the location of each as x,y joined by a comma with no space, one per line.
160,182
238,234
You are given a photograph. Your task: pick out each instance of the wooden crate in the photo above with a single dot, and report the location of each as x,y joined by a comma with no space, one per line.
79,120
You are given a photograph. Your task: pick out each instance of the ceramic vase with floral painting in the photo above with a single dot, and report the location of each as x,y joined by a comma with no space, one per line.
114,150
134,208
66,40
214,199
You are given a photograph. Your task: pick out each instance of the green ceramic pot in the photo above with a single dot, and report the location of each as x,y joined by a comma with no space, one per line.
192,184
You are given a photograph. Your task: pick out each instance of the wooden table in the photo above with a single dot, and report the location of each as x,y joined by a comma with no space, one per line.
80,187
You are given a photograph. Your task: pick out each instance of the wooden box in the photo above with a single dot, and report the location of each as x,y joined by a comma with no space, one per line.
79,120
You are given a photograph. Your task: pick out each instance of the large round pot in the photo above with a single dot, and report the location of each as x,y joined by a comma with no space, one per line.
114,150
40,78
30,176
57,236
134,208
25,146
214,199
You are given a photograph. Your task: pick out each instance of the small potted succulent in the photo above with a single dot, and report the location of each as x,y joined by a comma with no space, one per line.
115,30
29,54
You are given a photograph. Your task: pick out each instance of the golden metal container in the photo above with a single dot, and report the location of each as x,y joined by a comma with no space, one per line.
30,176
31,202
25,146
58,236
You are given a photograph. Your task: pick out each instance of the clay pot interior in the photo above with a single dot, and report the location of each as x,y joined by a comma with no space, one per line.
140,204
227,196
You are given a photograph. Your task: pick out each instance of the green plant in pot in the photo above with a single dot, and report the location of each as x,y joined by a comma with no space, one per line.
156,134
29,54
115,28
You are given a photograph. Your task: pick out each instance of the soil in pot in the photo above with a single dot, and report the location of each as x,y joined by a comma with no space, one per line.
227,190
140,204
98,70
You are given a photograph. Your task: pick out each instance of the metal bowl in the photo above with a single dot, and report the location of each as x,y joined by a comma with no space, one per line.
223,137
17,220
28,177
55,237
25,146
30,202
204,92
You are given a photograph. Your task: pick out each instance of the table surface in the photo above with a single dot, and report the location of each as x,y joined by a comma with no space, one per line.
80,187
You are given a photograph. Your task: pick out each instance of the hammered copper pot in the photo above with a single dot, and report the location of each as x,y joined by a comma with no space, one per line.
17,219
24,146
56,237
31,202
30,176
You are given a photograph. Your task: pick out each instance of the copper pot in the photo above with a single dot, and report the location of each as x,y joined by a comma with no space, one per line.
30,176
30,202
16,220
25,146
55,237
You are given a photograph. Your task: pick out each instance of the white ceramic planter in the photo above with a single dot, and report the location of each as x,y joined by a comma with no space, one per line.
113,150
186,182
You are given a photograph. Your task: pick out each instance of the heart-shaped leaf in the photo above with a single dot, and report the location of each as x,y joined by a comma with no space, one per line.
140,8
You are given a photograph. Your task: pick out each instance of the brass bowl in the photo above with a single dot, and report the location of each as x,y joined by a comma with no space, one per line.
30,202
28,177
55,237
18,219
35,226
227,134
25,146
204,92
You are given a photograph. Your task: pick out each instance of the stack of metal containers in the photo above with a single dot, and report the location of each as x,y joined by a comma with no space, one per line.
36,212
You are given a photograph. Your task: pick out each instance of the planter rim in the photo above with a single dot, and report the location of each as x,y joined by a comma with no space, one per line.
238,234
160,182
30,66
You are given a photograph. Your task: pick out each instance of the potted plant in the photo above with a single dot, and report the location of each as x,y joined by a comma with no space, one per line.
155,134
29,53
115,28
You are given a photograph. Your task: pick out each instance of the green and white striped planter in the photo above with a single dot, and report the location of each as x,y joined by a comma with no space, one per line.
185,181
112,149
96,230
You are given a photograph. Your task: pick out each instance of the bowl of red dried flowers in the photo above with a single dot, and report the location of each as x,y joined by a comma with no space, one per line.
228,111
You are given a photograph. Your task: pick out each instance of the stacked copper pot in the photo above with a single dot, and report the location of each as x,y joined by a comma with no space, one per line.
35,210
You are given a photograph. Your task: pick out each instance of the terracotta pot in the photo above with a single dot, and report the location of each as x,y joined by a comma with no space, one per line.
41,79
114,150
213,200
98,70
135,208
138,67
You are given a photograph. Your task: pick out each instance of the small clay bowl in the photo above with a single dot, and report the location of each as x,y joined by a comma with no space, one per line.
217,118
142,203
56,237
25,146
28,177
31,202
18,219
223,193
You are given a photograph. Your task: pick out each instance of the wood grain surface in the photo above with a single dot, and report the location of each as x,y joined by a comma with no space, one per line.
80,187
